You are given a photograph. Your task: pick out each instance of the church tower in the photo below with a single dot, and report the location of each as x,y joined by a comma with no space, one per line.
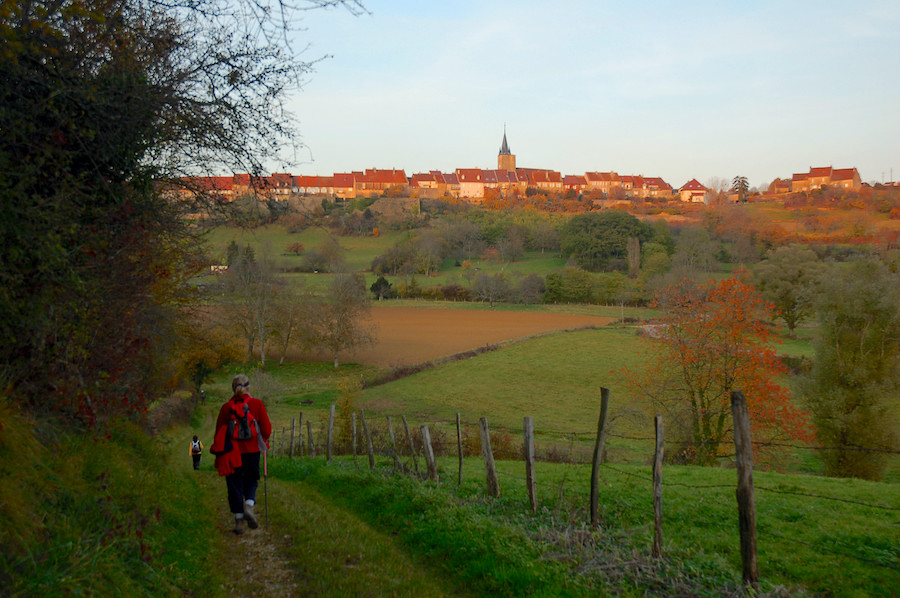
506,160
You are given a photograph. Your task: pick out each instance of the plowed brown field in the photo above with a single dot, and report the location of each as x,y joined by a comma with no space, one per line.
409,335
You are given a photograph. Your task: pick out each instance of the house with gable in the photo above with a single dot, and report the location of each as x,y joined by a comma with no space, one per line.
375,182
655,187
471,182
603,181
312,185
826,176
546,180
448,183
344,186
505,181
692,191
574,182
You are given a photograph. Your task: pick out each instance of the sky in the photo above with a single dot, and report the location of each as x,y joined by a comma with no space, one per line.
678,90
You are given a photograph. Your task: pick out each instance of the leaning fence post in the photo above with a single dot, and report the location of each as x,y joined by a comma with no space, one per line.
309,439
328,446
291,451
369,448
282,441
299,435
429,454
393,444
486,452
353,441
599,449
528,430
459,448
657,488
743,449
412,448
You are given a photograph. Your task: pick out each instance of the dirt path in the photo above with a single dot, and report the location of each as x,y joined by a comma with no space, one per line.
258,559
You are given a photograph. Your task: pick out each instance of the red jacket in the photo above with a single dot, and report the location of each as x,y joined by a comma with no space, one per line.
225,462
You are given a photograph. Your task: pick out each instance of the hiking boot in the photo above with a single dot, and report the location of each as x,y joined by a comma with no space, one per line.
238,526
250,516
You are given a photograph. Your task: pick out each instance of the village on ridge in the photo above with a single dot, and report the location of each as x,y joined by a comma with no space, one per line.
474,184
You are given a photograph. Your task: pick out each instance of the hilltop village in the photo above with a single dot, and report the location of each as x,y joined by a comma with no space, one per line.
507,180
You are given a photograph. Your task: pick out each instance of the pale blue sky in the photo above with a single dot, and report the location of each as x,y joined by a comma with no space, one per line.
679,90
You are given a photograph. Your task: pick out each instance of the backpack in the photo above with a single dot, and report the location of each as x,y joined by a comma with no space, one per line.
243,425
195,447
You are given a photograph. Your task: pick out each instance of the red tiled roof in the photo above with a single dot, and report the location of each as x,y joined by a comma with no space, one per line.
387,177
313,181
820,171
574,179
500,176
843,174
211,183
657,183
422,177
343,180
469,175
603,177
692,185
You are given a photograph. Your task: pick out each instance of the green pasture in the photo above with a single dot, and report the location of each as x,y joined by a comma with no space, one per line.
359,251
816,536
555,379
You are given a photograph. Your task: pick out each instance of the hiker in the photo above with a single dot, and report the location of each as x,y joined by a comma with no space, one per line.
242,433
196,450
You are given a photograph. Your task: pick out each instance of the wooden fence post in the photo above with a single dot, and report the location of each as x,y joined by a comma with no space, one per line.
328,445
657,489
369,448
459,448
291,451
599,449
743,449
299,435
429,454
282,441
486,452
393,444
353,441
530,483
309,438
412,447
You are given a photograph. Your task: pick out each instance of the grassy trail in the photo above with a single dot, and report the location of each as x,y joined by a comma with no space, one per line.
309,547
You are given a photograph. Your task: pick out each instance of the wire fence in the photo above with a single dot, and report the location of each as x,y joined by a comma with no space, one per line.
407,449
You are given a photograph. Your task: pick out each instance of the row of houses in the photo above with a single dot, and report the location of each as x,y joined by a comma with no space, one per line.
474,183
464,183
817,178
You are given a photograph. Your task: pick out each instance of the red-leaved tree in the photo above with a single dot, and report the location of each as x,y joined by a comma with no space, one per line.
711,340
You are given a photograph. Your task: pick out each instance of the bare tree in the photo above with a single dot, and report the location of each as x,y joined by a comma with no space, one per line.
342,315
252,291
491,287
294,325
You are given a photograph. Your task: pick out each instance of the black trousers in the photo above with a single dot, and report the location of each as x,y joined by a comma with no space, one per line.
196,459
242,484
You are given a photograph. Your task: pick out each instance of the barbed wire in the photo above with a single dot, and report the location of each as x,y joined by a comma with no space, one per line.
819,496
820,547
592,433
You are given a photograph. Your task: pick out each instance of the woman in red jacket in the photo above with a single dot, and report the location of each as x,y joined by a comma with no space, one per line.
242,432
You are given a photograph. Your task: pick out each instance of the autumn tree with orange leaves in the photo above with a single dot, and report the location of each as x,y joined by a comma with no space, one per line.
714,339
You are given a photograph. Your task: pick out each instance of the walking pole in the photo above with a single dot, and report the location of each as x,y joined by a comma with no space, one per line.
266,486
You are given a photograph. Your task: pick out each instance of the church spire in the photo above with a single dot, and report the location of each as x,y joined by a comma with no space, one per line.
506,160
504,149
